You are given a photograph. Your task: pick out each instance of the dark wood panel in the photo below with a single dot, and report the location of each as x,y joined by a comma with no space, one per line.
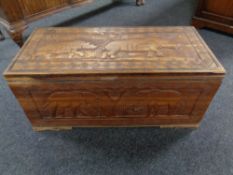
33,7
214,14
12,10
223,7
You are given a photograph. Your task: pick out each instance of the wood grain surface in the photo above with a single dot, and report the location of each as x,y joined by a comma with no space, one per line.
115,50
144,76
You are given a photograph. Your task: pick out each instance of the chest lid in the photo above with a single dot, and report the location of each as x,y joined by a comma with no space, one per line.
114,50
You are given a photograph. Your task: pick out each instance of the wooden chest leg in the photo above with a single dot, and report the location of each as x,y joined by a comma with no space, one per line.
140,2
196,22
194,126
1,36
17,37
58,128
15,31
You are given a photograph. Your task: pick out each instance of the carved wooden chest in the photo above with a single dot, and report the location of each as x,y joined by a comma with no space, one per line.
144,76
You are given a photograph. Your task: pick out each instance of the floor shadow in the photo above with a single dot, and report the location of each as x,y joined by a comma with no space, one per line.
130,144
174,14
217,32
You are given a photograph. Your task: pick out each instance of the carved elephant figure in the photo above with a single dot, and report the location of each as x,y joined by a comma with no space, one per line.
71,104
149,103
141,48
109,103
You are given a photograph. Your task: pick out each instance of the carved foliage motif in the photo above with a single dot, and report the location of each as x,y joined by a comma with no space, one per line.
112,103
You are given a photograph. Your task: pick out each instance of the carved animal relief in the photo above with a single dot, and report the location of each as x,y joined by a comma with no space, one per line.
113,103
132,76
116,50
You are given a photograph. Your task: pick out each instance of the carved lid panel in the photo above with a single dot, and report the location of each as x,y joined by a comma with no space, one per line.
115,50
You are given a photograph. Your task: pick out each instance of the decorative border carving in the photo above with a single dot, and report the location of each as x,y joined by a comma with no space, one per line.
104,49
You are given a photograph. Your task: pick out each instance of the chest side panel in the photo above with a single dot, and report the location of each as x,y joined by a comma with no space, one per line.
107,99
